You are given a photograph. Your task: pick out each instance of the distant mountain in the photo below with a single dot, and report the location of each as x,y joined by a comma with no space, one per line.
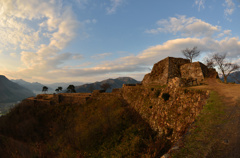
64,85
115,83
34,86
12,92
233,77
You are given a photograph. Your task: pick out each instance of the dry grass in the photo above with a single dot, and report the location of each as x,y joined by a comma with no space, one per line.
200,139
96,129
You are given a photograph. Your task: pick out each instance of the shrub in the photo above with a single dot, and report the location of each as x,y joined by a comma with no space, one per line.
165,96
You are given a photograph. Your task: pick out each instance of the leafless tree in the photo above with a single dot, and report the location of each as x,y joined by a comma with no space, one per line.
191,53
209,62
224,66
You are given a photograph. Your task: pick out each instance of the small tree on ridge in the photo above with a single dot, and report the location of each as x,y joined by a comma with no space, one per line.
71,89
44,89
191,53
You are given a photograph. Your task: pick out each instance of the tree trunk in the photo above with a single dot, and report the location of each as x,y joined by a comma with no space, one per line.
225,79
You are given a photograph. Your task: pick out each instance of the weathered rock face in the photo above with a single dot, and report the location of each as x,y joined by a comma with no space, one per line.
163,70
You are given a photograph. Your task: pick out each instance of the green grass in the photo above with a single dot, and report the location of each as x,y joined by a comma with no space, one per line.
201,136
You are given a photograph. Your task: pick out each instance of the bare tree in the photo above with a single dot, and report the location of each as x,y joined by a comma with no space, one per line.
224,66
191,53
209,62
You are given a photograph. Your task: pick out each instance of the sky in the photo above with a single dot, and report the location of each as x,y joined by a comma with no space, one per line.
51,41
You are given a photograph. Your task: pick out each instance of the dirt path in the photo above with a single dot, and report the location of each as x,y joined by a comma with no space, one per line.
228,135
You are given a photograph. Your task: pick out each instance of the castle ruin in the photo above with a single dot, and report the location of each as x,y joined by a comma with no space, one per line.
170,68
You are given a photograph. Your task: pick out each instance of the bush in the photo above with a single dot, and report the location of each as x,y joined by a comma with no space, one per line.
165,96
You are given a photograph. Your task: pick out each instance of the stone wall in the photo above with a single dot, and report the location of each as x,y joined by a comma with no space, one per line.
194,70
159,73
61,98
172,117
164,70
169,118
167,70
174,66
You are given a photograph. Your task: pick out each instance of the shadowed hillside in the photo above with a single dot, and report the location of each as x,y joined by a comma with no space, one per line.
95,129
12,92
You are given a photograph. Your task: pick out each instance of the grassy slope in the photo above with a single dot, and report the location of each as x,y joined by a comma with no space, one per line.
200,139
97,129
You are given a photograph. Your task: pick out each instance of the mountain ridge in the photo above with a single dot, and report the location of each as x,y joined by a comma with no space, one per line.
114,83
12,92
35,87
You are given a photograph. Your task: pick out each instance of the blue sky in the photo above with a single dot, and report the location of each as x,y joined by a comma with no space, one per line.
90,40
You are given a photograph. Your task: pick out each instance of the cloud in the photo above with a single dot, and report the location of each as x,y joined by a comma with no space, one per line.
230,7
88,21
200,4
14,55
25,25
16,34
141,62
133,64
100,56
48,62
114,5
225,33
77,56
53,20
186,26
